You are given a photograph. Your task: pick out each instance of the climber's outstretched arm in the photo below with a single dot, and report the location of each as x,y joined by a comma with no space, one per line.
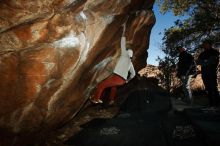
123,39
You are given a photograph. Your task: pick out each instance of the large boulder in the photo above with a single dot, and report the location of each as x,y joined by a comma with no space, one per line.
54,52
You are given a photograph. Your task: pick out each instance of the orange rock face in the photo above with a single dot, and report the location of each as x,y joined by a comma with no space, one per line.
53,52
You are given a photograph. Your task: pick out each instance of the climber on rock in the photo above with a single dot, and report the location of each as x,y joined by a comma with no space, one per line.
122,73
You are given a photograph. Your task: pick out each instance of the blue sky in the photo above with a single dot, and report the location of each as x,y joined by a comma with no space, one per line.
162,21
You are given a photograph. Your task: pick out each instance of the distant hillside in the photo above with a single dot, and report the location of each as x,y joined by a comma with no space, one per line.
150,71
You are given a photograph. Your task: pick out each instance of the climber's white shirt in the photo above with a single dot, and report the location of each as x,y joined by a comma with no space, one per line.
124,64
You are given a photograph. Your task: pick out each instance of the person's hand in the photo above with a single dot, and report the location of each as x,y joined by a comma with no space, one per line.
124,24
143,13
124,27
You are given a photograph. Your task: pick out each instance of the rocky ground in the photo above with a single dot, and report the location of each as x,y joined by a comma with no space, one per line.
58,137
146,117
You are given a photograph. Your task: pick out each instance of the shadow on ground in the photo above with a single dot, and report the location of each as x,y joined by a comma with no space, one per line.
148,118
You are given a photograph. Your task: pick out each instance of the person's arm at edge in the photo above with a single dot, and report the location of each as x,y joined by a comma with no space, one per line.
132,73
123,40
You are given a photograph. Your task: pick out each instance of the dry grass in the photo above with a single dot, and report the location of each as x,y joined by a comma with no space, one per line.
197,83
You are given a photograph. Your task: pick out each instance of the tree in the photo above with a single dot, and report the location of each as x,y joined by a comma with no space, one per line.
203,23
166,66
